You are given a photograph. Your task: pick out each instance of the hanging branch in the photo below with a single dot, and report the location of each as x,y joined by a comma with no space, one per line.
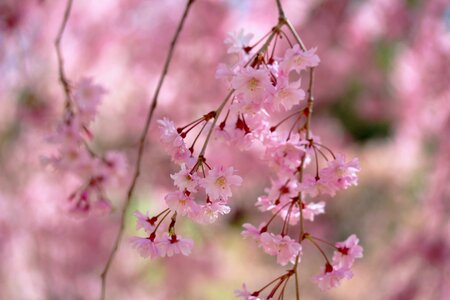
62,74
141,147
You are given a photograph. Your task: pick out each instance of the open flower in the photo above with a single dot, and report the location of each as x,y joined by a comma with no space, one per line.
209,212
182,203
218,182
144,222
184,180
347,252
297,59
313,209
251,231
147,247
342,174
285,248
171,245
254,84
331,277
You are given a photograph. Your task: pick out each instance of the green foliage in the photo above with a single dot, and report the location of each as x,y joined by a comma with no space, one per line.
360,128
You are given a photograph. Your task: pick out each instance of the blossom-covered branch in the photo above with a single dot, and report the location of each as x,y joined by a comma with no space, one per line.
290,152
73,137
261,84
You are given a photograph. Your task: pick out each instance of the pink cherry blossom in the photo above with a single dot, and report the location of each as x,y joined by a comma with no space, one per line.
296,59
173,142
251,231
219,181
147,247
285,248
144,222
244,293
281,192
225,71
68,133
331,277
313,209
182,203
168,133
287,97
254,84
291,213
237,41
317,186
171,245
209,212
347,252
288,92
342,174
285,153
87,96
184,180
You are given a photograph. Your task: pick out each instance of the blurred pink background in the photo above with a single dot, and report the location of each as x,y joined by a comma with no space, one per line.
382,94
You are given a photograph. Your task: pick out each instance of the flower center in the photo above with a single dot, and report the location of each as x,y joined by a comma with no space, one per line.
283,94
253,84
221,181
298,60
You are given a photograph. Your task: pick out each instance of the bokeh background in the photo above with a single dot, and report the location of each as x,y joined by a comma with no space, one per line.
382,94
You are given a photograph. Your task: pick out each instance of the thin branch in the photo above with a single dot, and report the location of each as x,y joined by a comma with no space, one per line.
281,14
62,75
295,34
141,147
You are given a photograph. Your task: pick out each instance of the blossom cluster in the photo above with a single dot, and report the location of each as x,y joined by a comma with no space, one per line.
74,155
211,185
263,88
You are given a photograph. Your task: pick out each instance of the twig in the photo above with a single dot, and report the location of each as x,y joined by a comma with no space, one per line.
141,147
62,75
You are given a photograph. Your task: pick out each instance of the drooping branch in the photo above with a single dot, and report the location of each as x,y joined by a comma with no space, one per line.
141,146
62,74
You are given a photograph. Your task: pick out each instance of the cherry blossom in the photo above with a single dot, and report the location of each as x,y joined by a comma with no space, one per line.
87,96
347,252
331,277
313,209
254,84
173,142
171,245
287,97
251,231
147,247
182,203
238,41
184,180
144,222
219,181
342,174
285,248
296,59
244,293
209,212
314,186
